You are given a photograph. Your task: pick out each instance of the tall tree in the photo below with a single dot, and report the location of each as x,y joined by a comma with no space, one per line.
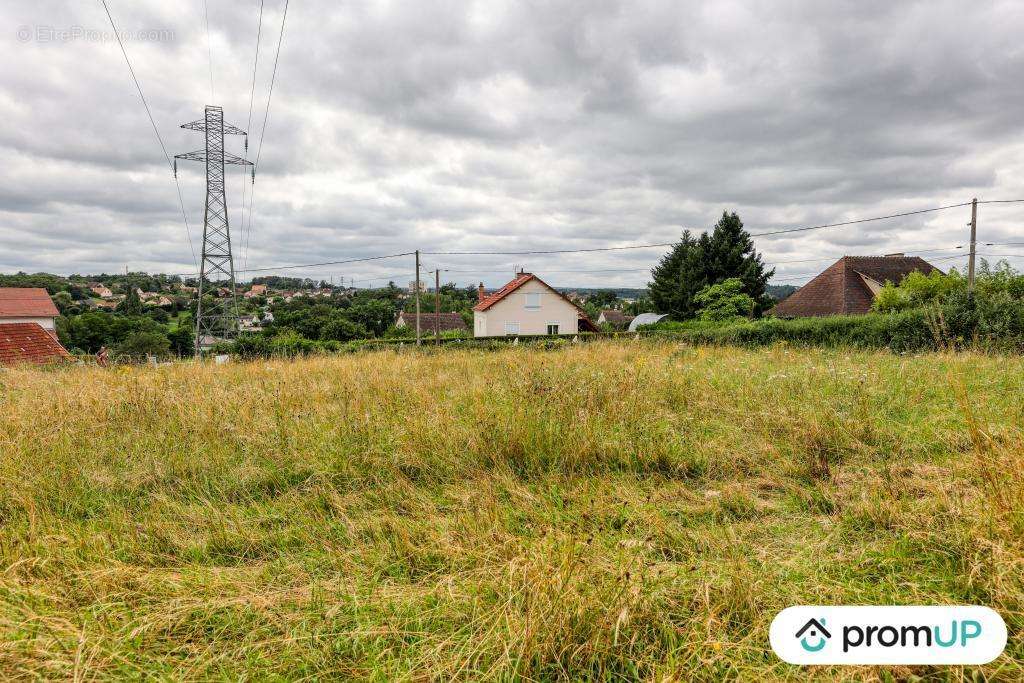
132,304
695,263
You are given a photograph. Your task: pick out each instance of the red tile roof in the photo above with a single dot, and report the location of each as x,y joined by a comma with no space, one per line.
28,343
841,288
512,286
26,302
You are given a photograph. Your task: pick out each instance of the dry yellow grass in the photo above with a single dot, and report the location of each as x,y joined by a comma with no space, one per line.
615,511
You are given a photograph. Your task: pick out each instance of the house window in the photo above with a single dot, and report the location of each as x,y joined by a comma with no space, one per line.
552,328
511,328
532,300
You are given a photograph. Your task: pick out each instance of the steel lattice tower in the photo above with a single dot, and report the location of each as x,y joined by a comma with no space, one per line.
218,321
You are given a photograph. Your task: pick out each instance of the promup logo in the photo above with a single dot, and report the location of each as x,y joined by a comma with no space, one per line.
817,631
888,635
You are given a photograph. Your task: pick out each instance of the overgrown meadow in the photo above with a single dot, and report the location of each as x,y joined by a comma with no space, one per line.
615,510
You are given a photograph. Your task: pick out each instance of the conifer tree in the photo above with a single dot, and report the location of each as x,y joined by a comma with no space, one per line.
695,263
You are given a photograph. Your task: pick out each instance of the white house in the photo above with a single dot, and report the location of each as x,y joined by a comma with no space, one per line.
527,305
249,323
101,290
28,305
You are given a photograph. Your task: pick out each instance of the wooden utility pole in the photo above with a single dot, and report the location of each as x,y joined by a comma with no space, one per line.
437,307
416,286
974,238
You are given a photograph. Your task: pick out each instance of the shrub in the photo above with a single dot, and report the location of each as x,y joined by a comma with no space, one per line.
724,301
340,329
141,344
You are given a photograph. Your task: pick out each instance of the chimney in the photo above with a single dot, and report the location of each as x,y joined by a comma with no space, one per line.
480,295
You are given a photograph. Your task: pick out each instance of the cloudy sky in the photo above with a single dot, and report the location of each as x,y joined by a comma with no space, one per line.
494,126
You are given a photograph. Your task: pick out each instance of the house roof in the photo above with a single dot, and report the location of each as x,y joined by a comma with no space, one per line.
26,302
445,321
586,324
28,343
847,286
510,287
616,317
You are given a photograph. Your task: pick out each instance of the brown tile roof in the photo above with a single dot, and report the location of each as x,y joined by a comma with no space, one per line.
28,343
26,302
446,321
616,317
843,288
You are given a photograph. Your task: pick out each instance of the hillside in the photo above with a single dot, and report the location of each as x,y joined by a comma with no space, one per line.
639,510
780,292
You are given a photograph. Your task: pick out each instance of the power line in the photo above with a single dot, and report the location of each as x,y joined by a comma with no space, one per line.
170,164
767,263
385,277
616,248
546,251
263,130
859,220
488,270
310,265
657,244
248,127
209,49
669,244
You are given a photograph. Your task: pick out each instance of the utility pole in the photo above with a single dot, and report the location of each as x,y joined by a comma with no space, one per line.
219,321
974,242
437,304
416,286
437,307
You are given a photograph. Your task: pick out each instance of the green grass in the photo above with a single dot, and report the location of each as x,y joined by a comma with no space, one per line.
614,510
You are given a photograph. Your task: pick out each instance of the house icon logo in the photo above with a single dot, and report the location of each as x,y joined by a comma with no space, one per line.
815,632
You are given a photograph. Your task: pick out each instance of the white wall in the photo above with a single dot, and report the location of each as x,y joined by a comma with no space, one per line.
45,323
512,309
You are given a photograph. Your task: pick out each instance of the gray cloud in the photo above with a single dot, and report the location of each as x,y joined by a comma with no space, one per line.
489,126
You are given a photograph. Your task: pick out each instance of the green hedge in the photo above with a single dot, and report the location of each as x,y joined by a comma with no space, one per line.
990,322
908,331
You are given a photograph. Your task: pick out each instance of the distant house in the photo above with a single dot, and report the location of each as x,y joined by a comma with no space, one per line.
101,290
28,305
616,319
256,290
249,323
158,300
849,286
527,305
29,343
445,321
109,304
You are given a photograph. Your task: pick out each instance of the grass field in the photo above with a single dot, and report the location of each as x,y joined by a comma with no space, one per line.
613,510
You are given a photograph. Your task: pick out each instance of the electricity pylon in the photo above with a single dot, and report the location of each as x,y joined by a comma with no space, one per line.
219,321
